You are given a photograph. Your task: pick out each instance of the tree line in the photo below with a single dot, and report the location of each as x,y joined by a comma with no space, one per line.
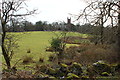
86,28
38,26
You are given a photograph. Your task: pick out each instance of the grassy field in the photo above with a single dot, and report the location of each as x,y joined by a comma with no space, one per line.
37,42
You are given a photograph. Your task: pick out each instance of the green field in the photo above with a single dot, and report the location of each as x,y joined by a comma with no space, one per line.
37,42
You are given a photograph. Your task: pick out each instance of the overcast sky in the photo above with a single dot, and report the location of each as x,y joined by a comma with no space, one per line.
54,10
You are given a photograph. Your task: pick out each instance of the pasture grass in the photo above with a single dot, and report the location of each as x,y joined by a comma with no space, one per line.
37,42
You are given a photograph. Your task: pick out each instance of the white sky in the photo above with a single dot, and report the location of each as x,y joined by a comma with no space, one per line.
54,10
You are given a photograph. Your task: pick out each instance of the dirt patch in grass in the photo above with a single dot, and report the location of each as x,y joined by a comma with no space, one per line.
75,40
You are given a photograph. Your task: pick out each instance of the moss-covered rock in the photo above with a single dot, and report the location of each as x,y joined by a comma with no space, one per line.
76,68
84,78
117,67
41,75
51,71
105,74
91,72
100,67
44,69
63,65
55,72
64,68
60,74
71,75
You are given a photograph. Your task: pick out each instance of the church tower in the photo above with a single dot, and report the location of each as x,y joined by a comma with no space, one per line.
68,20
68,24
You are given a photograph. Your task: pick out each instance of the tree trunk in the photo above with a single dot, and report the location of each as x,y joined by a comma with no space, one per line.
7,60
101,33
6,57
118,35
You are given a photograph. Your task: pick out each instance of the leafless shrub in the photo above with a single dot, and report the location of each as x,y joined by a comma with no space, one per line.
89,53
28,51
27,59
41,60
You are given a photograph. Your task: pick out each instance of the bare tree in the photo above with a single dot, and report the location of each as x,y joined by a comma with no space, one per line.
103,13
118,32
10,10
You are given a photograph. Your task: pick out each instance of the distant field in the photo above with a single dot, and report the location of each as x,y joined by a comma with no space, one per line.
37,42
